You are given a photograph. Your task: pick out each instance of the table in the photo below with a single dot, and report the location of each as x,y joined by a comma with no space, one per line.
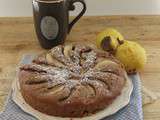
17,36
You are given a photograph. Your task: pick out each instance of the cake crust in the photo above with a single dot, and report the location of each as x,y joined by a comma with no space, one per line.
71,81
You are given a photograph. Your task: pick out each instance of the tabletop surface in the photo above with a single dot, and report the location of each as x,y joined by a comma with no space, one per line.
17,37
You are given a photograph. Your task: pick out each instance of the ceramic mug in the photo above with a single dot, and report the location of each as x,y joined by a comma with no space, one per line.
51,20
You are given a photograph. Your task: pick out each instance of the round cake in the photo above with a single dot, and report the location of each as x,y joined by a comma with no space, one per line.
72,81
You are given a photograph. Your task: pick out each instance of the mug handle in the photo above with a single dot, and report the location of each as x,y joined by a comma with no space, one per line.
72,7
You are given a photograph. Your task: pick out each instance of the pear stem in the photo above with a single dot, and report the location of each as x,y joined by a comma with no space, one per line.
120,41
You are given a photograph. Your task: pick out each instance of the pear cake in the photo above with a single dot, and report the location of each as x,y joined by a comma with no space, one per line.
72,81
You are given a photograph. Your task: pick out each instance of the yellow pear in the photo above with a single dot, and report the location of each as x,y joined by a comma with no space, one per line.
132,55
109,39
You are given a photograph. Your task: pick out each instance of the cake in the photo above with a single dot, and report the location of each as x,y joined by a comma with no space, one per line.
72,81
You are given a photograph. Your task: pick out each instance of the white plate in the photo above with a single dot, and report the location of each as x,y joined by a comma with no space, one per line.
120,102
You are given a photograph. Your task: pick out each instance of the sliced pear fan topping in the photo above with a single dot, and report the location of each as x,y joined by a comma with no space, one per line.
103,64
67,49
53,61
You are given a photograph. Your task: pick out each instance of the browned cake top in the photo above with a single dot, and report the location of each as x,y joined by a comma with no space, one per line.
73,74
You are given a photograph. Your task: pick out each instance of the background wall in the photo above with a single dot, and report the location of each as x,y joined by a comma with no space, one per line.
95,7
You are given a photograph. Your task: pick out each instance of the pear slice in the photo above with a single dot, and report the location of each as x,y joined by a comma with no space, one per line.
103,64
55,89
59,93
67,49
53,61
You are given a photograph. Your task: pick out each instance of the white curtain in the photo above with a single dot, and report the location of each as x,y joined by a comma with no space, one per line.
94,7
